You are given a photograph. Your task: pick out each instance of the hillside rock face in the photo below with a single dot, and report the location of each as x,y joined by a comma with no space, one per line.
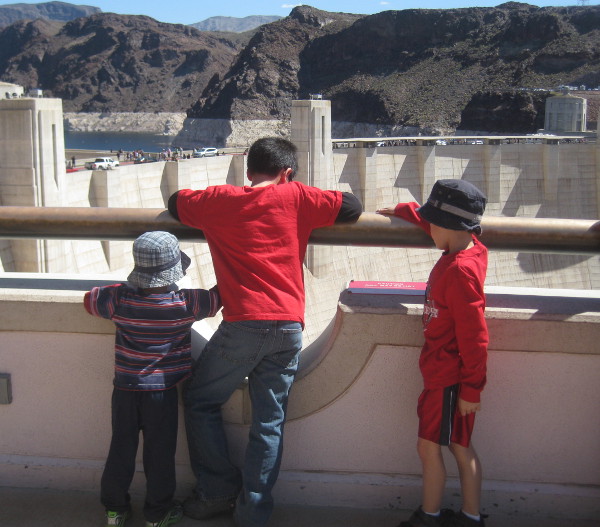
109,62
60,11
264,79
511,112
431,70
412,68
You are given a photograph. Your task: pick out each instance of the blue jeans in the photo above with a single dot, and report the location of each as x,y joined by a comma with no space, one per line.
265,351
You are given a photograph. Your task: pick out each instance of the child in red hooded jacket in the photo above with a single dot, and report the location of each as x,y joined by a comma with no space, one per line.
453,358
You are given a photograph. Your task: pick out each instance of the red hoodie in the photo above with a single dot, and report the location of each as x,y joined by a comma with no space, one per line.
456,335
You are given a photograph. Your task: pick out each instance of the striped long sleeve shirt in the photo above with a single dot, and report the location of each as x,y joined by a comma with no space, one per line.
153,332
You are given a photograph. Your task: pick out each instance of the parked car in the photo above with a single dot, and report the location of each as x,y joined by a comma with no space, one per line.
102,163
206,152
441,142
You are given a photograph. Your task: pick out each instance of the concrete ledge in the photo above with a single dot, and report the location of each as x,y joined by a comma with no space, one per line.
519,319
28,298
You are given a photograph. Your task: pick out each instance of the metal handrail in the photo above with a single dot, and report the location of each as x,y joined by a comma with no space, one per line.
537,235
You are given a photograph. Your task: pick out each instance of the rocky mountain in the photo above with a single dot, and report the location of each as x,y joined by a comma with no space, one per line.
266,75
409,68
429,69
107,62
234,24
60,11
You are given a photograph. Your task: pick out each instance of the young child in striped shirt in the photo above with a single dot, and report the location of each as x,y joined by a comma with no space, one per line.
153,320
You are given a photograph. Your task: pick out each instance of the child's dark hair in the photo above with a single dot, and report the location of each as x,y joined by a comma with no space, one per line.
270,155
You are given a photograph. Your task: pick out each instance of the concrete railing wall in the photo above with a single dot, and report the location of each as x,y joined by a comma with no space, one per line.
350,440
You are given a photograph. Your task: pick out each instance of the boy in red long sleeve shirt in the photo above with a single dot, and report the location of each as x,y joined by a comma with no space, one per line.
453,358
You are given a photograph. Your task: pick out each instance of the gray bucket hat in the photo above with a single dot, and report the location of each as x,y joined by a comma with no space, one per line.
158,260
454,204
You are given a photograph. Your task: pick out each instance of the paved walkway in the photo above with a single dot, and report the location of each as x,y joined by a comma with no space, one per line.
52,508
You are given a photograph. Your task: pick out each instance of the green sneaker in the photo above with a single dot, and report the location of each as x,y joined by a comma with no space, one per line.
173,516
116,519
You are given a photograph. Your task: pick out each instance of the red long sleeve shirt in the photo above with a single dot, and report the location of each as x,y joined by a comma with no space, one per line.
456,335
257,238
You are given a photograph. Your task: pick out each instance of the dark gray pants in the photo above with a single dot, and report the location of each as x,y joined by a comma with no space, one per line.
155,414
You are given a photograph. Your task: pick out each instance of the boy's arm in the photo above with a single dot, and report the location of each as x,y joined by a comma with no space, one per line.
189,206
467,304
86,303
172,205
407,212
204,303
176,204
350,210
102,301
466,408
215,301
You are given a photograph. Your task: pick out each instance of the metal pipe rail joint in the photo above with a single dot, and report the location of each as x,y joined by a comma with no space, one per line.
535,235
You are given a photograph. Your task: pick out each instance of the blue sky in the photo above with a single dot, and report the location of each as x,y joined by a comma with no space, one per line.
191,11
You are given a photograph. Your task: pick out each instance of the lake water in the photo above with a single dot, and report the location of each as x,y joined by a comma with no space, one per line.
116,141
